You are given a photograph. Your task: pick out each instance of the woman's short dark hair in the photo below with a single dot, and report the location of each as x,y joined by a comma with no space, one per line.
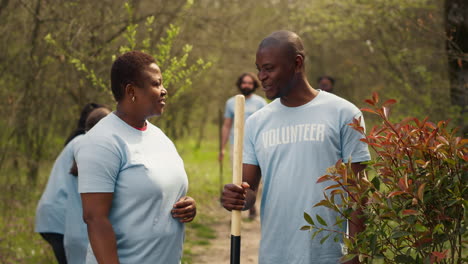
256,82
80,126
331,79
127,69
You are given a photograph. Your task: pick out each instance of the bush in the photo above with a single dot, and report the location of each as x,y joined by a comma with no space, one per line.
415,205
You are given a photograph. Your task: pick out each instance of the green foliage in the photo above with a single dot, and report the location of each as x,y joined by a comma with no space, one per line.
415,206
178,70
393,47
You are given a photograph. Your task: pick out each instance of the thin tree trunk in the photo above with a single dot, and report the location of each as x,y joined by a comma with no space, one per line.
456,26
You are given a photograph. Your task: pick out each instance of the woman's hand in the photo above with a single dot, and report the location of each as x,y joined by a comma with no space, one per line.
185,209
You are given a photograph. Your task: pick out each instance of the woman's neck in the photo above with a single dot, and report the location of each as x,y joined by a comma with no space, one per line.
130,118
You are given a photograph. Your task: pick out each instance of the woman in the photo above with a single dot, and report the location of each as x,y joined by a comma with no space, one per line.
75,238
50,212
131,179
80,128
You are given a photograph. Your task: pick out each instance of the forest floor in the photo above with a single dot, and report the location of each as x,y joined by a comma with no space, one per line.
218,250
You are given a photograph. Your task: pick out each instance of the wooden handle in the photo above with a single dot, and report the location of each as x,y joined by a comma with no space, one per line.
237,157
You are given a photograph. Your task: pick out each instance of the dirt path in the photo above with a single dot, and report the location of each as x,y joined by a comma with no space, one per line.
218,252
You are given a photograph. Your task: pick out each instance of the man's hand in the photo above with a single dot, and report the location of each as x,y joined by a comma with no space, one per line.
185,209
234,196
221,155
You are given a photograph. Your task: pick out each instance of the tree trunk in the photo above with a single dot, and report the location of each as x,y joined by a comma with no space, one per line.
456,26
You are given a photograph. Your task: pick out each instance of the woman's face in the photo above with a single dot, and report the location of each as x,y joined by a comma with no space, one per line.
151,97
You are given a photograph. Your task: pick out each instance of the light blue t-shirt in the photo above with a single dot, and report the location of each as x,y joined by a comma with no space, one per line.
293,146
147,176
252,104
75,238
50,212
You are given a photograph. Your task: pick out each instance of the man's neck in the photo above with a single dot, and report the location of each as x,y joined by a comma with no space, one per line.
301,93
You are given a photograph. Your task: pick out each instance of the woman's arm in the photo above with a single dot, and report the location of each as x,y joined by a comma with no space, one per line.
185,209
96,207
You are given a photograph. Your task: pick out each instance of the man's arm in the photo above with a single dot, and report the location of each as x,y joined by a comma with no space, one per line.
243,197
356,225
225,136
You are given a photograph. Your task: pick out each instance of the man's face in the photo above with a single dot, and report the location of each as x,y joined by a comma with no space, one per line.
275,71
247,85
326,85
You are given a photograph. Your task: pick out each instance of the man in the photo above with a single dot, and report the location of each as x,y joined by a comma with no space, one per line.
326,83
288,145
247,83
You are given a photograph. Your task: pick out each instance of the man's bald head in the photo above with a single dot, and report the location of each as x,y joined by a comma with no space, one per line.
289,42
96,115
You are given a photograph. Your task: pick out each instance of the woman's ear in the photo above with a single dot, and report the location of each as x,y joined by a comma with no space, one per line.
130,91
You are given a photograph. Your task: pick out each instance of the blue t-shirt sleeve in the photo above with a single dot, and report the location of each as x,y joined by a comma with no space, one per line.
229,109
249,155
98,168
352,147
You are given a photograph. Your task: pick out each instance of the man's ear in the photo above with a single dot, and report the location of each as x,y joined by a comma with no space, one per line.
299,63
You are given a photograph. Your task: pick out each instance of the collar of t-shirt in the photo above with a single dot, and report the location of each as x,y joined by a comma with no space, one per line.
142,128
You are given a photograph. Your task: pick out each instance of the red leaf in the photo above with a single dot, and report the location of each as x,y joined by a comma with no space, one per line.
463,142
323,178
440,255
407,120
430,125
332,186
402,184
395,193
375,97
443,140
421,191
369,110
386,111
370,102
389,102
410,212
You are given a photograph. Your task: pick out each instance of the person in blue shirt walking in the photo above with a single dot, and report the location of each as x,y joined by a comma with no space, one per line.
51,209
289,144
247,83
131,178
75,237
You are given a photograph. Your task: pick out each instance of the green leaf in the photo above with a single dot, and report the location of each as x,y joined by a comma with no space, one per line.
348,243
316,233
320,220
420,228
399,234
324,239
308,218
404,259
347,257
336,239
373,243
438,229
306,228
376,182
